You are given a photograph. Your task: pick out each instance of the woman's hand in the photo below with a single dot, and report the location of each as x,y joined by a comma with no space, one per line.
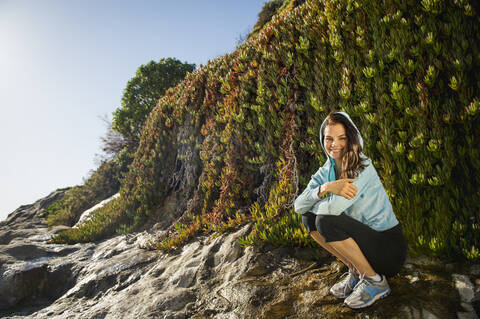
341,187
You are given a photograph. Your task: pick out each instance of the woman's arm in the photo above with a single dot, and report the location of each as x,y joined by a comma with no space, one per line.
342,187
311,195
336,204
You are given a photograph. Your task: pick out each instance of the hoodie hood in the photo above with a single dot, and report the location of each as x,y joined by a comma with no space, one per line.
321,134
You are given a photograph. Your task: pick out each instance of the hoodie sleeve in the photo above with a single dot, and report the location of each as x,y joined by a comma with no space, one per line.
309,196
336,204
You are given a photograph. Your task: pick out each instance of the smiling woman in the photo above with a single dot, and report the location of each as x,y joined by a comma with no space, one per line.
343,144
335,141
355,222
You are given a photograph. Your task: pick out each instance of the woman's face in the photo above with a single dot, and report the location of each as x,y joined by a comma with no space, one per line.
335,141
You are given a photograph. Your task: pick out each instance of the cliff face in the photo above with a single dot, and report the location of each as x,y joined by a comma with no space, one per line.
212,277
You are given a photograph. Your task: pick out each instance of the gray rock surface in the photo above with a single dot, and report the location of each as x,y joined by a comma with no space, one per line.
213,277
464,287
87,214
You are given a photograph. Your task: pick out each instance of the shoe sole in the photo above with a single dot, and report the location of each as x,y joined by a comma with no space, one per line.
371,301
339,297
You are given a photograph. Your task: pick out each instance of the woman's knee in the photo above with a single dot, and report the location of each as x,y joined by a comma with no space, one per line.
328,227
308,221
325,222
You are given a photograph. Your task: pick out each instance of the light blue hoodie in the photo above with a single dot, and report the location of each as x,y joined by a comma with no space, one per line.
370,205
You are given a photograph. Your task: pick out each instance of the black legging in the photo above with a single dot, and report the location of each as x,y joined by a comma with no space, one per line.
385,250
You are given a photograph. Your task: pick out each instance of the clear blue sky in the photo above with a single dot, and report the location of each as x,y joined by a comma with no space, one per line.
64,65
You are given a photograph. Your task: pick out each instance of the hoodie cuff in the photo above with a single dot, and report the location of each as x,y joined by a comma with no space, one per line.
314,193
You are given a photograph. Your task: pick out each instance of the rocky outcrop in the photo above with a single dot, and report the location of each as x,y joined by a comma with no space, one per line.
86,215
208,278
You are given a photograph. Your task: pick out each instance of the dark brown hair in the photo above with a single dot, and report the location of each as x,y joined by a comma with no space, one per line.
352,163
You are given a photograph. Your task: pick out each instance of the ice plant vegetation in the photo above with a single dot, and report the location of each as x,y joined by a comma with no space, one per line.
406,72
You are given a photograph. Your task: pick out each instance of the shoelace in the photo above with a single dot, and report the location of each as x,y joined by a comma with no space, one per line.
348,282
359,286
345,286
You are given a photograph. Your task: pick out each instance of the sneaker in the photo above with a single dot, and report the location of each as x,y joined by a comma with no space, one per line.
366,292
344,288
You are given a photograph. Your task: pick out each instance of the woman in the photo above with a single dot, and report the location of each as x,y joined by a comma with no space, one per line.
346,210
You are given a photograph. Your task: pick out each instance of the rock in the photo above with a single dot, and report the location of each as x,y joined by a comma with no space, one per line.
464,286
411,312
423,261
450,267
412,278
466,315
428,315
31,214
24,251
475,270
414,313
467,294
467,307
86,214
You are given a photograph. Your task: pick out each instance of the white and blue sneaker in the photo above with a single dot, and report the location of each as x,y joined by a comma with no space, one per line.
344,288
366,292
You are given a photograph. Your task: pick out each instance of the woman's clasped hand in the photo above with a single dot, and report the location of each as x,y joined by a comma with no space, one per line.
342,187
